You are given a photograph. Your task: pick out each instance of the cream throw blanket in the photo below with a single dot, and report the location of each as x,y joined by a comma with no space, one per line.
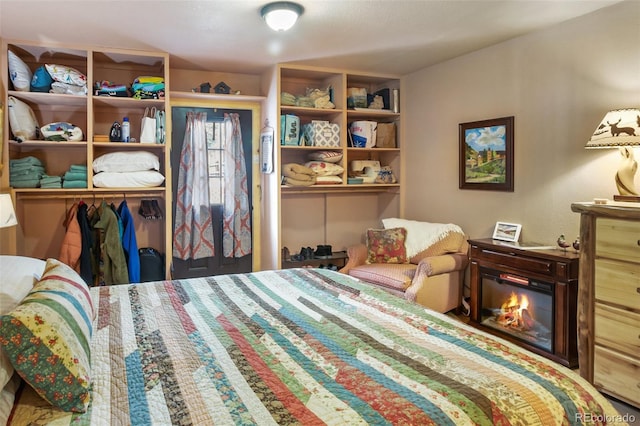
421,235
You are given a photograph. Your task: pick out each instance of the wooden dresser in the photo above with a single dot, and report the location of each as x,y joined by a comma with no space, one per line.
609,298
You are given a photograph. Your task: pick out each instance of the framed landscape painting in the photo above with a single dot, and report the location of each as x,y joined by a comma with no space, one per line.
486,154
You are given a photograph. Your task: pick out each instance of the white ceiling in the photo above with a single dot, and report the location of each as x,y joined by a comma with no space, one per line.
388,36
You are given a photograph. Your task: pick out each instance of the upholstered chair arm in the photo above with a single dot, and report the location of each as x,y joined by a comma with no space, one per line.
357,256
435,265
437,283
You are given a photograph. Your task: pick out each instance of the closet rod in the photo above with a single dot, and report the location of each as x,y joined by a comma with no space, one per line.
98,196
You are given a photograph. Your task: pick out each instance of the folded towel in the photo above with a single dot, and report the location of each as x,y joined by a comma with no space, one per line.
33,183
78,168
26,170
75,176
28,176
26,160
74,184
50,179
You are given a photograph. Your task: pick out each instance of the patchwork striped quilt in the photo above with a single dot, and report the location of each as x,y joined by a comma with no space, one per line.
306,347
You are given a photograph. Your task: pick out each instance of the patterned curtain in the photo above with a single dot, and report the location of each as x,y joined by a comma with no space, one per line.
236,237
193,230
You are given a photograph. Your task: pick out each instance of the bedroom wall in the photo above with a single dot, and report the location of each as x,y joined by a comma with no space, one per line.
558,83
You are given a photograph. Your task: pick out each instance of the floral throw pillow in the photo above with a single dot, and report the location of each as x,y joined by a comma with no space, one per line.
386,245
47,337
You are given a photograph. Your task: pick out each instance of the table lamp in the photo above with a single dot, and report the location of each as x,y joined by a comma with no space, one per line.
620,129
7,214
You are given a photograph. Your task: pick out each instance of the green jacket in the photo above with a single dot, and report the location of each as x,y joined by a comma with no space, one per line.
113,264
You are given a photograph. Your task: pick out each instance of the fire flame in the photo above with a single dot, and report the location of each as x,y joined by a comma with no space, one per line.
515,312
512,303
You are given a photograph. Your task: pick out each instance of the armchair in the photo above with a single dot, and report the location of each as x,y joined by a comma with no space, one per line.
433,277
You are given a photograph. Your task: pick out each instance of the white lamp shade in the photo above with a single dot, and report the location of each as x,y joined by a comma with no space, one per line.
7,214
281,16
618,128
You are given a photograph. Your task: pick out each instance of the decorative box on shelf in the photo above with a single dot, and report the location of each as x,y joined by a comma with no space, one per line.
321,133
289,129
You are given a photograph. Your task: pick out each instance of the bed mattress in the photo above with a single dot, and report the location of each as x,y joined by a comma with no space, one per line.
305,346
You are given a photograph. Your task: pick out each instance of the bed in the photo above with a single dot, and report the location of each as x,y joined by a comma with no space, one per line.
297,346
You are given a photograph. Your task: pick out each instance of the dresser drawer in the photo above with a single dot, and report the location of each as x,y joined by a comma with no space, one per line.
618,282
618,239
617,374
617,329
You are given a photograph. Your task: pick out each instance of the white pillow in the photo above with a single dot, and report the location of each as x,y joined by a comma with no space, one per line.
327,156
19,274
22,120
421,235
139,179
130,161
19,73
7,398
67,89
65,74
328,180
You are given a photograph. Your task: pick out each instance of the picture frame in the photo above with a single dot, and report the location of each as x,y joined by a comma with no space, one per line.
486,154
505,231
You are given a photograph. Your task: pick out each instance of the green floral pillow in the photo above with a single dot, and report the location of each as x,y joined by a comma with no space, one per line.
386,245
47,337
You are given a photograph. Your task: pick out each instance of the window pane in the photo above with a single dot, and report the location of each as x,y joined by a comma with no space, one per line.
215,146
213,135
215,163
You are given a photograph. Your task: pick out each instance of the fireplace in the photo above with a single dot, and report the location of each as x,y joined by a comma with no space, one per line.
528,297
518,306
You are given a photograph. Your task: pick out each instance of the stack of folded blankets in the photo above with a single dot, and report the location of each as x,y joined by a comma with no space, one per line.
49,182
75,177
148,87
25,172
297,175
109,88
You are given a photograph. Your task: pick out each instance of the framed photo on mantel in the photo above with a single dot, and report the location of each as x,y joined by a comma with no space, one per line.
486,154
507,231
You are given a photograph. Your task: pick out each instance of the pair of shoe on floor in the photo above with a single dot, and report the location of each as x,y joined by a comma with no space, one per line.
150,209
306,253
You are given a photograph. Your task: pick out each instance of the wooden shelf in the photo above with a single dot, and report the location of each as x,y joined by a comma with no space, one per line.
43,98
176,95
42,234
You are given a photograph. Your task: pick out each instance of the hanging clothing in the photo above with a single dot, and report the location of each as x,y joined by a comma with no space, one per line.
193,229
72,242
129,242
86,252
236,234
113,266
94,217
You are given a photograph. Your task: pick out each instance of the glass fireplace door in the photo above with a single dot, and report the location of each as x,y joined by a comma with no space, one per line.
518,306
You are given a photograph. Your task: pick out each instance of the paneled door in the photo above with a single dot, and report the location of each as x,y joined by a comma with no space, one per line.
218,264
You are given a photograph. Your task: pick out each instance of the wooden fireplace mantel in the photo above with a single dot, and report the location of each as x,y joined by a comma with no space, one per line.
558,267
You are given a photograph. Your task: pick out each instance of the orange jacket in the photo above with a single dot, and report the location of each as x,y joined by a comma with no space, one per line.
72,242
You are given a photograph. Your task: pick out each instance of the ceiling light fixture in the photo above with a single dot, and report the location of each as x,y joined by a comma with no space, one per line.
621,129
281,15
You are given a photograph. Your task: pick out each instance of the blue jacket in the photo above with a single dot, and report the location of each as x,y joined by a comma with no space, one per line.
129,243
